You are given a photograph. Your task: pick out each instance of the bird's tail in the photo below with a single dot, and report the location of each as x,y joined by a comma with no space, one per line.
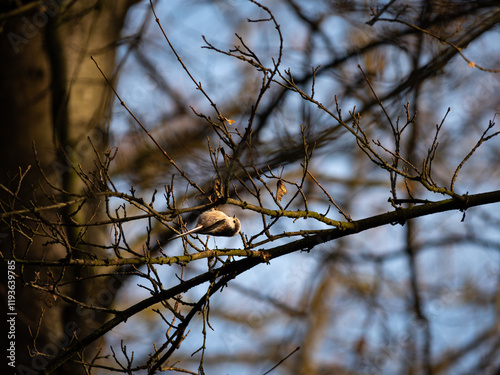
195,229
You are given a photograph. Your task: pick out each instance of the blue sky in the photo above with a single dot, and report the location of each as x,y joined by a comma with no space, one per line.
447,270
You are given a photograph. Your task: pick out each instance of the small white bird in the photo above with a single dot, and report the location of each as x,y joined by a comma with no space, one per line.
215,223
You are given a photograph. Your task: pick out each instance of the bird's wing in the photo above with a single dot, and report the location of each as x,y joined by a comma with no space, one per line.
211,229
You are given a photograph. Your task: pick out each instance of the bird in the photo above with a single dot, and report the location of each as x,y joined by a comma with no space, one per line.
215,223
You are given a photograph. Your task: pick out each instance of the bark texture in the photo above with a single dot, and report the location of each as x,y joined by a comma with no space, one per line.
53,99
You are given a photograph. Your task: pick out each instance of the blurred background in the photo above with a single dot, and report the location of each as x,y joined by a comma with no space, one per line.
418,298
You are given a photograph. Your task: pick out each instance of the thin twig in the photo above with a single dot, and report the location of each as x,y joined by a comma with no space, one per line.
282,360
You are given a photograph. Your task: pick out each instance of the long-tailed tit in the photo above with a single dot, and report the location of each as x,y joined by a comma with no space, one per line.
215,223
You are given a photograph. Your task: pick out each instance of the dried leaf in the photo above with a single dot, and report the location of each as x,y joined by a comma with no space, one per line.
48,298
280,190
217,188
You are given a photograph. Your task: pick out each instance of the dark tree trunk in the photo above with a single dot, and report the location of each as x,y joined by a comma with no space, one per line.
53,97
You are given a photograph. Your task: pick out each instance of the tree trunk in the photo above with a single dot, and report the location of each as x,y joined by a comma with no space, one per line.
54,98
